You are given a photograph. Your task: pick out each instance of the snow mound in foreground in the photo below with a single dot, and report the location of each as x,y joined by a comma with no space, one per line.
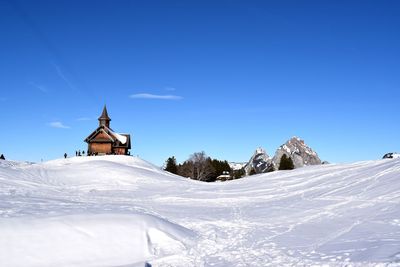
87,240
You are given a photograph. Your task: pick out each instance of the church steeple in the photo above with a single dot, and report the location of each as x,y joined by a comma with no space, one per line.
104,120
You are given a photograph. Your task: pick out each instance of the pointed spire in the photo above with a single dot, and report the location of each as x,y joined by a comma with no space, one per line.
104,119
104,114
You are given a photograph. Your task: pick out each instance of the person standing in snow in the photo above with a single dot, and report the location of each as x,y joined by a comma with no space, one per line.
65,155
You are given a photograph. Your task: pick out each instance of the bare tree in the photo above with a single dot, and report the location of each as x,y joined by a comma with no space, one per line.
186,169
202,166
197,167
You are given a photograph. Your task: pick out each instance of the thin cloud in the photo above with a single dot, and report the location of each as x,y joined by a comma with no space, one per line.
41,88
64,77
84,119
152,96
170,89
58,124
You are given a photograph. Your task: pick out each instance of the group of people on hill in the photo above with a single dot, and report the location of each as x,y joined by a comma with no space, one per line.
79,153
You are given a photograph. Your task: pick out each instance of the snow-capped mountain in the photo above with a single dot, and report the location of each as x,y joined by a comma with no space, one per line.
260,162
298,151
235,166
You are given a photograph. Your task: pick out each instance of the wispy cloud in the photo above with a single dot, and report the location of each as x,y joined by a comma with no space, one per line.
84,119
152,96
62,75
170,89
58,124
41,88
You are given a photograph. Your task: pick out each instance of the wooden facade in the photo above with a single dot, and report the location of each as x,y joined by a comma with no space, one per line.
104,141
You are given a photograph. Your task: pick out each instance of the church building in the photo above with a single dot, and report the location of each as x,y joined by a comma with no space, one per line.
104,141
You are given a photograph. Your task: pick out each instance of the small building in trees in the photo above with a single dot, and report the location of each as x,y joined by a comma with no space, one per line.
224,176
104,141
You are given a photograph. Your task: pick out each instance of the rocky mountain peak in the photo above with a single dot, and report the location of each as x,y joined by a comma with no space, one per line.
260,162
300,153
260,150
391,155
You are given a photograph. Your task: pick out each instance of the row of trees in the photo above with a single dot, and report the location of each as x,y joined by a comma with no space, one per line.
201,167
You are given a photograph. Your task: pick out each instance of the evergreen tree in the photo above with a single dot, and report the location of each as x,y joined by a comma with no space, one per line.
171,165
220,167
271,169
239,173
252,172
286,163
2,157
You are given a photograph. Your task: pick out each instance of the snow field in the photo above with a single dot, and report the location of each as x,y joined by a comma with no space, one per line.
123,211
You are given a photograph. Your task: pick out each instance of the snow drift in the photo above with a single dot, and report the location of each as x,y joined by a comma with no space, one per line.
88,240
123,211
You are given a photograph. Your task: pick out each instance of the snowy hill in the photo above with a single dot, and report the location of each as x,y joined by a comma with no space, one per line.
123,211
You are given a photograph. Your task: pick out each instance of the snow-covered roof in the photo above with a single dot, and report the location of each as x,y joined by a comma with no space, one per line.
120,137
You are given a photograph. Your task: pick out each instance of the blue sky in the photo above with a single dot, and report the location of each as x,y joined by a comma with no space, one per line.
185,76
